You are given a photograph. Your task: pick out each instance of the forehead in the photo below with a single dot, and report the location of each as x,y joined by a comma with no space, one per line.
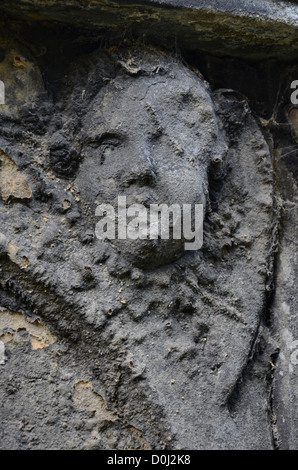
164,101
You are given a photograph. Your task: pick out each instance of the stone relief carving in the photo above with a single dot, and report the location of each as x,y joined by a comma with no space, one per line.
157,339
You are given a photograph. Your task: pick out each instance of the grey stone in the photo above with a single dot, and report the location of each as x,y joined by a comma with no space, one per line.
133,344
243,28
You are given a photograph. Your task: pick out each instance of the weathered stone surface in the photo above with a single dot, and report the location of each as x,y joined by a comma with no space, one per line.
141,345
246,28
285,307
12,182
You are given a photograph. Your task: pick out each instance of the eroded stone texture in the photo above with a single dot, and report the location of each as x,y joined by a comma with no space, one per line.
140,345
12,182
12,322
242,28
284,308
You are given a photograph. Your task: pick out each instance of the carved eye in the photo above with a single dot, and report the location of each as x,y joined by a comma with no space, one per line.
105,144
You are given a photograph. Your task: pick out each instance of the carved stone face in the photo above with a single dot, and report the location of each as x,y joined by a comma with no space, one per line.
150,139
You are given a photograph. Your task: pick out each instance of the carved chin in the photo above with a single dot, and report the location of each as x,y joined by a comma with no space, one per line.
150,254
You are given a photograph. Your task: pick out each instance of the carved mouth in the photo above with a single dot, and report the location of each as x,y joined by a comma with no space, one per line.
149,254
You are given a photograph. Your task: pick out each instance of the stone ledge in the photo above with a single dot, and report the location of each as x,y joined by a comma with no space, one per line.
239,28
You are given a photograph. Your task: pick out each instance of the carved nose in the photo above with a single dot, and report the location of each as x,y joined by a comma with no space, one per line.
140,176
142,172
